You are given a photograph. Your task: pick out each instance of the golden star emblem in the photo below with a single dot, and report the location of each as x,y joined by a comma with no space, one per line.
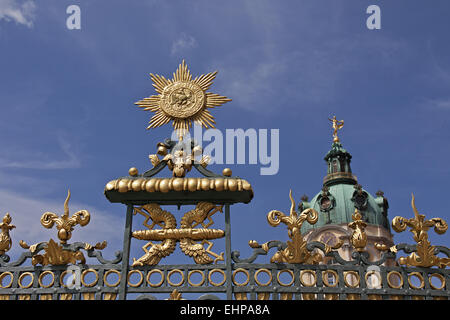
182,100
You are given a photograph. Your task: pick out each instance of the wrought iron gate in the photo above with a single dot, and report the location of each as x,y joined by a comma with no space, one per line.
298,270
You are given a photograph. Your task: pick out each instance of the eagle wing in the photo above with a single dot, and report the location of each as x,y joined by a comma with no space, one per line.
196,251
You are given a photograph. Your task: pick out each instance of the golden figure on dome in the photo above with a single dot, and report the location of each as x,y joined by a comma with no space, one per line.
337,125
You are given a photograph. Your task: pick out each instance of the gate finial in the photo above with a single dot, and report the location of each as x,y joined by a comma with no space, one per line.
425,252
62,253
5,238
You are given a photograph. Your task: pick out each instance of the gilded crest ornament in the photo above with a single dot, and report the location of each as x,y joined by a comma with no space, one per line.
182,100
179,160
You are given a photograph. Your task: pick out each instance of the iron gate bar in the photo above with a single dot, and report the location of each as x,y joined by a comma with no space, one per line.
126,252
228,252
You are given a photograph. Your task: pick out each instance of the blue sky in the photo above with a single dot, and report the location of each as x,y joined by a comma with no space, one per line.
67,117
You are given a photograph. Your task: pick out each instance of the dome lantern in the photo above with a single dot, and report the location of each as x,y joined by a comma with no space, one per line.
341,193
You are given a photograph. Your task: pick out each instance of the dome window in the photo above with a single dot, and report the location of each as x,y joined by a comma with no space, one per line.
334,168
326,201
359,198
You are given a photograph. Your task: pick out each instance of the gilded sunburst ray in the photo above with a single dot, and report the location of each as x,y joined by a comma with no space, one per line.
182,100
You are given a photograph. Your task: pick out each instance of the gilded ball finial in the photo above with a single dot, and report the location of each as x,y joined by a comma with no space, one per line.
356,215
162,150
227,172
197,151
133,172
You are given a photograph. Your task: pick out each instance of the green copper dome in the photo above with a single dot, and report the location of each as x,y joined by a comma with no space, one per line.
341,195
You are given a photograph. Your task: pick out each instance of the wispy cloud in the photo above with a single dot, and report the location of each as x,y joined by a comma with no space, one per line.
183,43
72,160
310,76
21,12
443,103
307,67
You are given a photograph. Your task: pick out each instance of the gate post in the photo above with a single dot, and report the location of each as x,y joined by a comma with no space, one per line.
228,252
126,253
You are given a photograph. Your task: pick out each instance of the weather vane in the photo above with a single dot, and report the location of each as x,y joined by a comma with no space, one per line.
182,100
337,125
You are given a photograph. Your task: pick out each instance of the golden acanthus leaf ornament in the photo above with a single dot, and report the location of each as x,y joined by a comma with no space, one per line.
61,254
296,250
425,253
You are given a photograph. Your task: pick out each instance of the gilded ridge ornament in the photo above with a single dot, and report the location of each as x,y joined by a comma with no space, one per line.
164,185
187,235
424,255
5,238
182,100
337,125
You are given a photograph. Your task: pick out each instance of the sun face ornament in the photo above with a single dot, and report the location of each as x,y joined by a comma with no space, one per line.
182,100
